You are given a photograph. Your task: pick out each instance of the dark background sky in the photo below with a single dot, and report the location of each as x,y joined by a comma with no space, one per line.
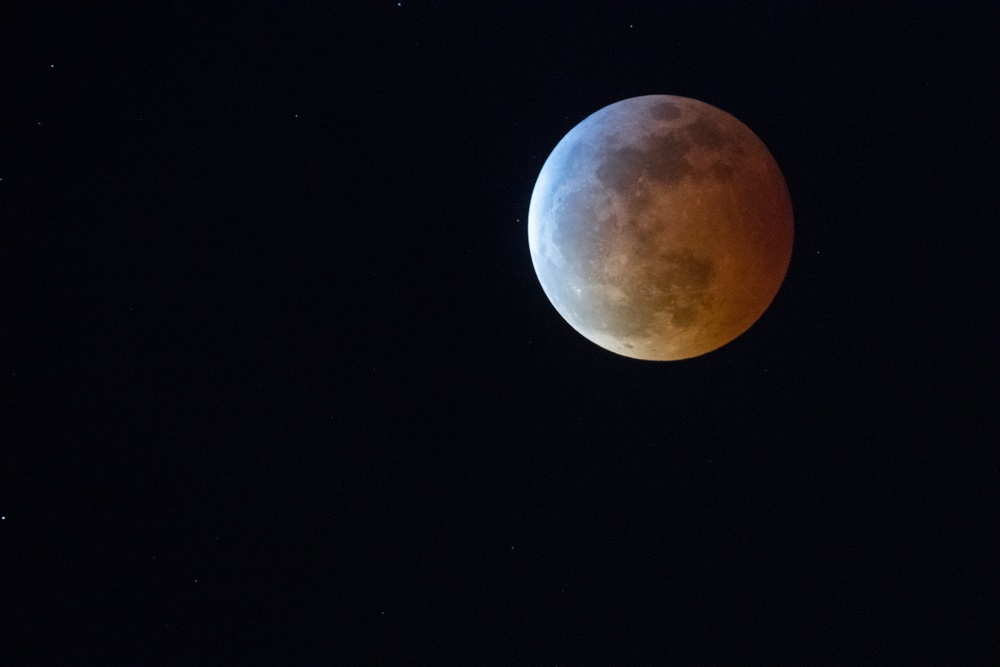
280,384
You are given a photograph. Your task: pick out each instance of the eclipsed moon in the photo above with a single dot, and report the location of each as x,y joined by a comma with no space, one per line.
660,227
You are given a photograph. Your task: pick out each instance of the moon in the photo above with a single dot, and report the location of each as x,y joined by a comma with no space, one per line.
660,228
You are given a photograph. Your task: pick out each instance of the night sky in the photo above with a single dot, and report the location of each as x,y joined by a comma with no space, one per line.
281,386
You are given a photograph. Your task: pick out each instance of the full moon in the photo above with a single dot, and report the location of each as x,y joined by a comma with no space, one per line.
660,228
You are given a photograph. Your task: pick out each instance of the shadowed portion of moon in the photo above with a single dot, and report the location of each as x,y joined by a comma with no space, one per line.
660,227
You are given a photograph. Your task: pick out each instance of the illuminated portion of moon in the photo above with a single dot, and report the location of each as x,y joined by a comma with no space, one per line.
660,228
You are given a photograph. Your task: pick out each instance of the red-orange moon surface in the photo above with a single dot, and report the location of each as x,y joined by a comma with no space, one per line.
660,227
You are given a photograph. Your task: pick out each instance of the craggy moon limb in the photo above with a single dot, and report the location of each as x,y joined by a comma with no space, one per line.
660,228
